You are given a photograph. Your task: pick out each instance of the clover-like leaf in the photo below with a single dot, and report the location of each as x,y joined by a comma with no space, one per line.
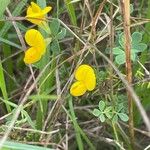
120,107
136,37
120,59
102,118
102,105
140,47
123,117
118,51
96,112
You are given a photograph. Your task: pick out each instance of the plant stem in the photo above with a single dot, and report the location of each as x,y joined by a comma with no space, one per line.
126,23
77,131
115,132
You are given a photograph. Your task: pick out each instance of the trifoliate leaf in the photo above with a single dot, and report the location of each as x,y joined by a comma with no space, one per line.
102,105
96,112
123,117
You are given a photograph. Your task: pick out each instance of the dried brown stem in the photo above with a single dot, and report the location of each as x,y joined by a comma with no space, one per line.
125,5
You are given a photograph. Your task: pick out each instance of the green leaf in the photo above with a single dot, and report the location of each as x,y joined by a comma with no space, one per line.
136,37
122,40
10,43
139,47
102,105
118,51
71,12
133,56
61,34
3,87
21,5
96,112
102,118
115,118
4,4
31,123
123,117
55,48
19,146
120,59
54,26
109,115
108,109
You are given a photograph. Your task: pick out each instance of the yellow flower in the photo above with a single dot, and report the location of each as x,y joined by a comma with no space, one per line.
35,14
38,46
86,80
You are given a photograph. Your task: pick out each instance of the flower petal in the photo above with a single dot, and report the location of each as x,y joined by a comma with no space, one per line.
86,74
35,7
34,14
77,89
32,55
34,38
46,10
90,80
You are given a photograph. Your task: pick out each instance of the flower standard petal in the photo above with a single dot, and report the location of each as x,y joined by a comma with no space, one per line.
32,55
77,89
35,39
81,72
35,7
35,14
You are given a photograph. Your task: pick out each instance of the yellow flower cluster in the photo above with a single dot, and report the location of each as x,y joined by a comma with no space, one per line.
33,37
86,80
84,74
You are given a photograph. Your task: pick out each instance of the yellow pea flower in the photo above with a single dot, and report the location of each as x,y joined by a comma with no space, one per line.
35,14
86,80
37,46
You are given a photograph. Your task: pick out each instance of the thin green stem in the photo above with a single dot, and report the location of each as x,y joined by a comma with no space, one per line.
77,131
115,132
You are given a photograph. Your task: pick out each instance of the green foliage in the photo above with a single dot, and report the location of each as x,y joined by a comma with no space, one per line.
107,112
3,87
10,145
136,47
4,4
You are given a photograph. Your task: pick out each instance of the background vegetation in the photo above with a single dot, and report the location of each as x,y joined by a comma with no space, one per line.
37,110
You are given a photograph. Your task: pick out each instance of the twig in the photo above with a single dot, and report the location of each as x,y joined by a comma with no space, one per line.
125,5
